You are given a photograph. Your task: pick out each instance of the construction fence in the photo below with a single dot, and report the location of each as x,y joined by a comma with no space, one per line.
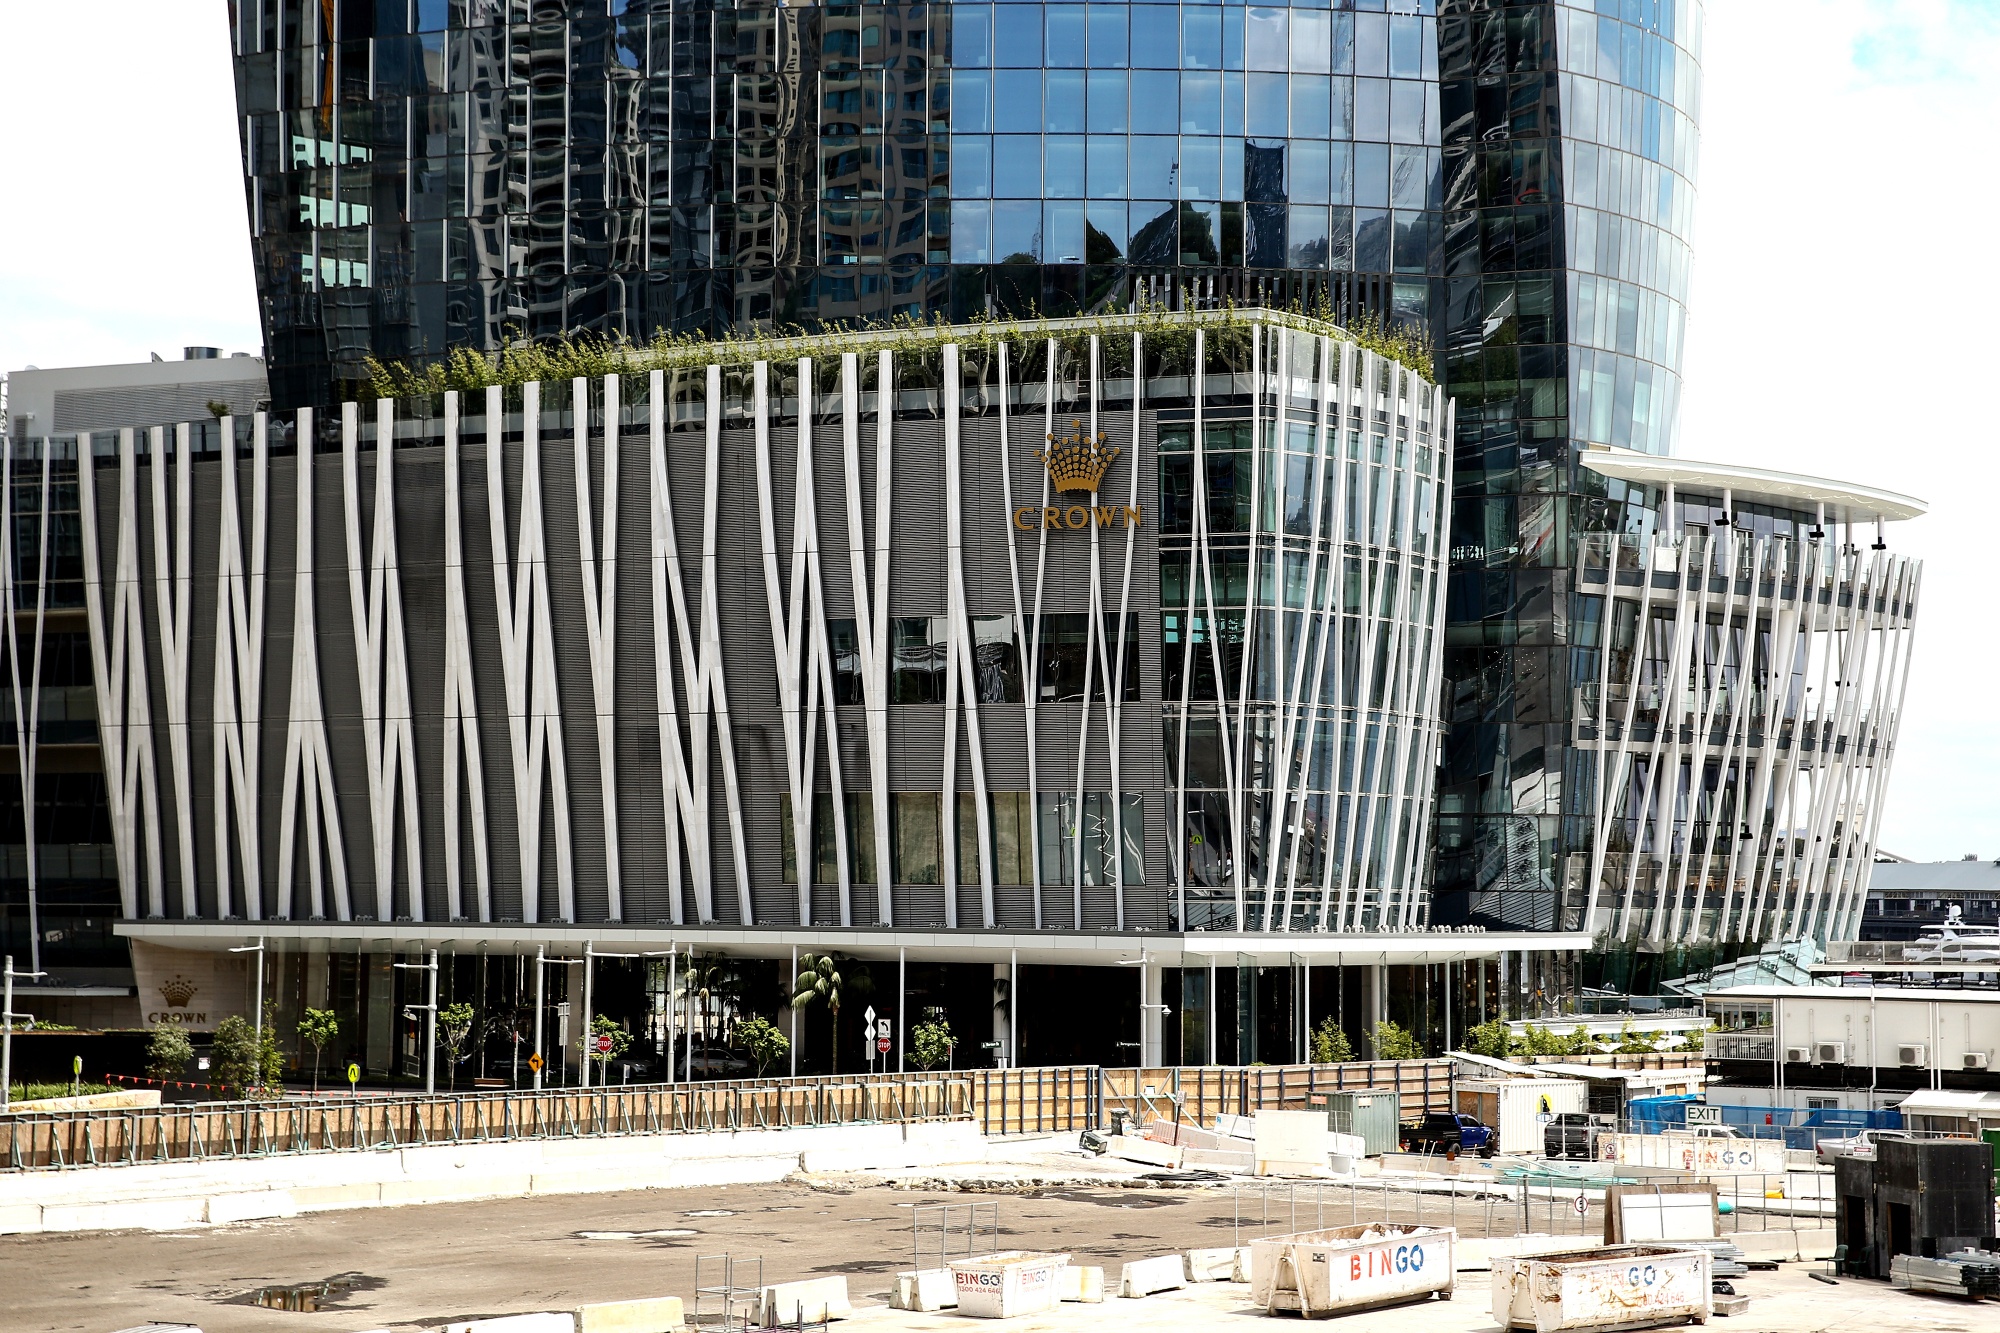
1000,1101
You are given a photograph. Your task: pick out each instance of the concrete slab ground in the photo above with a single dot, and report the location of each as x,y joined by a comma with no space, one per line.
421,1266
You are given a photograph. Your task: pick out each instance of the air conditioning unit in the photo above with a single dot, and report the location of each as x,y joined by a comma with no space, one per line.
1916,1054
1830,1053
1975,1059
1798,1055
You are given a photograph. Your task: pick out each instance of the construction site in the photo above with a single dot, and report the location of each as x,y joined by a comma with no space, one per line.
1140,1197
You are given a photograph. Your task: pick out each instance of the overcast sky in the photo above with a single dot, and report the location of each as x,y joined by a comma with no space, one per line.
1831,330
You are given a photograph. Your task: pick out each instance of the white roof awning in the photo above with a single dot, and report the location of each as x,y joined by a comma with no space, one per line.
1961,1104
1845,502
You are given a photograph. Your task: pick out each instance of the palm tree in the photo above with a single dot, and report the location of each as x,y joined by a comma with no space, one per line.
819,979
711,979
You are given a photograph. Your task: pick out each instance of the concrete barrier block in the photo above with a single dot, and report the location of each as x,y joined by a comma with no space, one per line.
251,1206
810,1299
435,1189
142,1215
926,1290
733,1171
318,1198
608,1180
516,1323
19,1219
1083,1284
1143,1277
1217,1265
955,1136
1145,1151
657,1314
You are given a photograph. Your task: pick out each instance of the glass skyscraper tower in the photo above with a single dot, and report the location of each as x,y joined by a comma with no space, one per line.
430,174
1569,141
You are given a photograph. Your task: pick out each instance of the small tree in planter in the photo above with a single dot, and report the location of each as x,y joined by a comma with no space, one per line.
1393,1041
1330,1045
454,1025
168,1052
621,1041
931,1043
762,1042
239,1062
318,1028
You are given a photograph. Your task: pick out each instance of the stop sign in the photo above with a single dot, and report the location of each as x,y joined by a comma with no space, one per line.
882,1045
604,1044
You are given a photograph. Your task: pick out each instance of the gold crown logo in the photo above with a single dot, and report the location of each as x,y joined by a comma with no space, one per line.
177,992
1077,462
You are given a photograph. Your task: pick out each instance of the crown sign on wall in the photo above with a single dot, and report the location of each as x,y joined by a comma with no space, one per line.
1077,462
177,992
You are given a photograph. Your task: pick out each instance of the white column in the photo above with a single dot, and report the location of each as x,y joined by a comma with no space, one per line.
1150,1015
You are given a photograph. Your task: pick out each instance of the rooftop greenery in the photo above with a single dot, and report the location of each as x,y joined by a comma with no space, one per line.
589,356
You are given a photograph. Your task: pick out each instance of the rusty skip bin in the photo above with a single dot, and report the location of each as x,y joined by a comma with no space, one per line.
1342,1269
1615,1287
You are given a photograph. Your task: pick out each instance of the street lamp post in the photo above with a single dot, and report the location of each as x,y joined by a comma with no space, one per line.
431,1020
7,1017
257,1001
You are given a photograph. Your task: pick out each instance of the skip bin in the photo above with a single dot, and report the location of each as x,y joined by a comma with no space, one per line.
1376,1116
1323,1273
1012,1282
1617,1286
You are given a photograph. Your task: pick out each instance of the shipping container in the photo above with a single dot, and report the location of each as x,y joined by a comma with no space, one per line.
1520,1107
1343,1269
1377,1117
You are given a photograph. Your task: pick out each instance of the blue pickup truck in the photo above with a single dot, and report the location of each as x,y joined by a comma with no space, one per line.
1443,1132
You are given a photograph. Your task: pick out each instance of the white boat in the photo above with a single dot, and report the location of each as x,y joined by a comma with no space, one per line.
1954,941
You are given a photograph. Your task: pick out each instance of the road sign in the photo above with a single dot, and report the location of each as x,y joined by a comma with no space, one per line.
882,1029
535,1062
1581,1203
868,1015
1703,1115
604,1044
882,1045
353,1074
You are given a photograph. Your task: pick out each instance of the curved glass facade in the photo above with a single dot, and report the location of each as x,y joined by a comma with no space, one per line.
1569,148
430,174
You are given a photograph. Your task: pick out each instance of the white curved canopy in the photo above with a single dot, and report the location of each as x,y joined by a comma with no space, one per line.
1845,502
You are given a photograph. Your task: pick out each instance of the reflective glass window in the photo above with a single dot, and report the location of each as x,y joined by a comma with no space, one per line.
1105,235
1063,106
1201,168
1065,42
1063,231
1017,100
1063,166
1106,169
1017,166
972,166
1017,230
1154,158
1267,39
1109,48
1312,41
971,36
1310,93
1266,102
1017,38
1201,103
1156,101
1201,37
969,231
1156,39
1107,101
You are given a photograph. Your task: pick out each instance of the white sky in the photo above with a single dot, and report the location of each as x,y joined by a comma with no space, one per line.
1831,329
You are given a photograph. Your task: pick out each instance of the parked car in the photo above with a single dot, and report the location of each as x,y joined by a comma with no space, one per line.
1571,1134
1709,1132
1861,1144
1441,1131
